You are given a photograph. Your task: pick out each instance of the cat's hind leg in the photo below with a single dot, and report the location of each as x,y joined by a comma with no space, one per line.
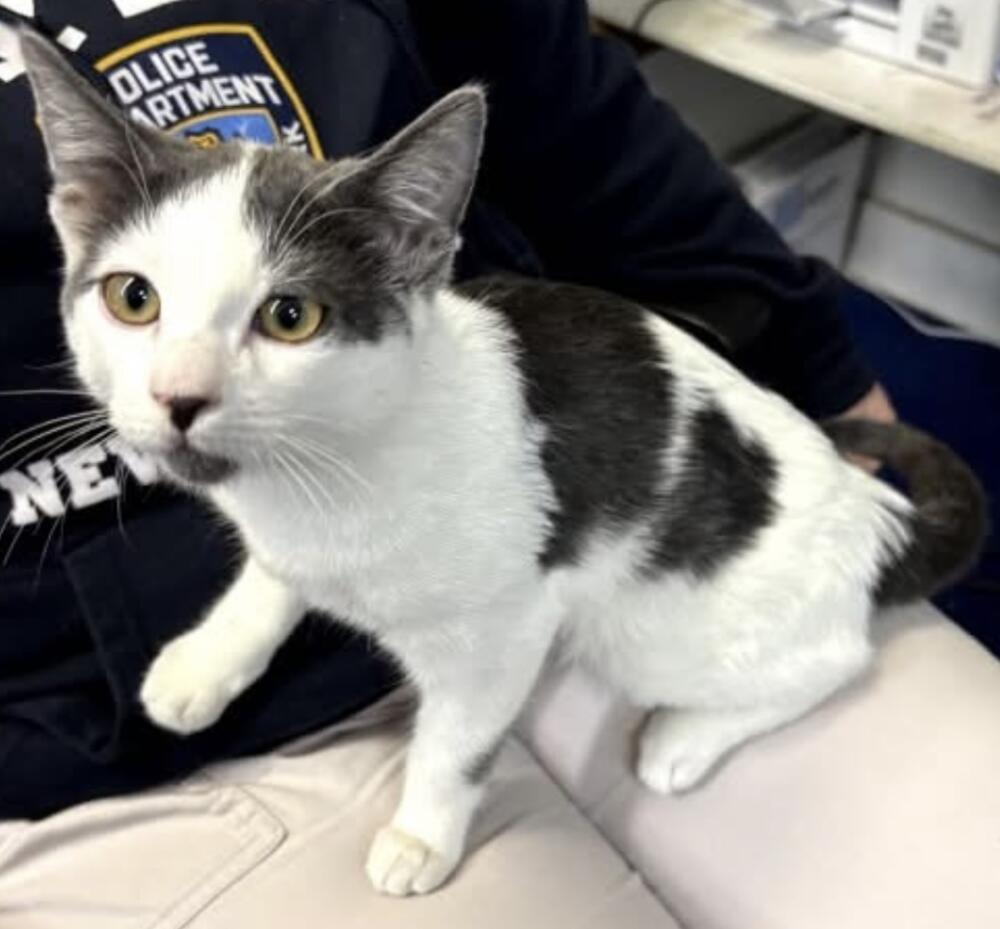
679,746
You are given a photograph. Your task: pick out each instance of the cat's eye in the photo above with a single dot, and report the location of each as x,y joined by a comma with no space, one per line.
131,299
290,319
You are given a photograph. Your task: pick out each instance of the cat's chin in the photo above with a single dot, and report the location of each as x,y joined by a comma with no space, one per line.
192,467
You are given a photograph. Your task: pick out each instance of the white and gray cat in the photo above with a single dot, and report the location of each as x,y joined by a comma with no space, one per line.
472,475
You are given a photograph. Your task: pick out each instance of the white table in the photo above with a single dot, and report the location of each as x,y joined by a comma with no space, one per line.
957,121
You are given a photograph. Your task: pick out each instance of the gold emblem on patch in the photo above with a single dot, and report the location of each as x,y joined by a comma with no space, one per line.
207,139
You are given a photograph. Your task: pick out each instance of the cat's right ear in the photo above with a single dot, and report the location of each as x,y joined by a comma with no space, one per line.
98,157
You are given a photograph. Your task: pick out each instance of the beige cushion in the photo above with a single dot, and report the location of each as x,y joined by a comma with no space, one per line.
881,810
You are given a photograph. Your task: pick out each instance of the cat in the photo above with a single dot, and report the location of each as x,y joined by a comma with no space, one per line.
475,475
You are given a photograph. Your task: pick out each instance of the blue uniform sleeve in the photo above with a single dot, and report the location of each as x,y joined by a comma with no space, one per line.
615,191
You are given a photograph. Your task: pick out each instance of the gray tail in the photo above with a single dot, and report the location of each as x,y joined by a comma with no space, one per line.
949,523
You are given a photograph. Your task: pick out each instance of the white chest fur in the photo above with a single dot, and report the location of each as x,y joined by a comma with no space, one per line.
449,501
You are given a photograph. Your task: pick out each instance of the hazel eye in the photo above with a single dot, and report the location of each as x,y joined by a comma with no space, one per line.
290,319
131,299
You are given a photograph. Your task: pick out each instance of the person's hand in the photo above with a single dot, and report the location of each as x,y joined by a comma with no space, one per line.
874,406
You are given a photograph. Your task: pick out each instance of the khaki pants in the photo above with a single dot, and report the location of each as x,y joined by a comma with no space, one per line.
880,810
280,841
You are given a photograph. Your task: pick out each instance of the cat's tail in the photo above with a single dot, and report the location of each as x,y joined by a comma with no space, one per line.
949,521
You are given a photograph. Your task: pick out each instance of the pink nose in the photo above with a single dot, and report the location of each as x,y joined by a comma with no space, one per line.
184,410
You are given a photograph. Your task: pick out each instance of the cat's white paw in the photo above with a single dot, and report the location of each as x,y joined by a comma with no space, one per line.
400,864
678,750
187,688
674,775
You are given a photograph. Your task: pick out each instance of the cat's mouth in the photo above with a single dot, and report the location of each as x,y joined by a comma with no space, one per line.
195,467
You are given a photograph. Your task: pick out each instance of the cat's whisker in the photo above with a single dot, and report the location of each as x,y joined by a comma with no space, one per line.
259,457
293,456
65,364
280,417
298,488
331,177
139,182
327,174
144,183
61,441
51,427
298,233
67,392
35,427
303,282
325,491
310,476
344,466
283,418
332,465
286,464
10,549
121,479
44,431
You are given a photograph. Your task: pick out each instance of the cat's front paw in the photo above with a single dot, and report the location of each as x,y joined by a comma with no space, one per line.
400,864
188,687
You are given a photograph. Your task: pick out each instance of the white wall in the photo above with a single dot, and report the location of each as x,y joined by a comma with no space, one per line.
928,227
928,233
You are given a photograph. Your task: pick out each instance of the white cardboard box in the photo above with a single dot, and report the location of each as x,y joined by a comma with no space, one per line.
806,184
955,39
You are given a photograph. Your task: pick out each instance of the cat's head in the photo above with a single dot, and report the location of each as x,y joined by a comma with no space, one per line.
219,302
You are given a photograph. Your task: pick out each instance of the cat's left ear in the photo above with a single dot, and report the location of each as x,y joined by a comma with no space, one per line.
426,173
100,160
417,186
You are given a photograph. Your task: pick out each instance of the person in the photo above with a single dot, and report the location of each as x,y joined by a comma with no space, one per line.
586,177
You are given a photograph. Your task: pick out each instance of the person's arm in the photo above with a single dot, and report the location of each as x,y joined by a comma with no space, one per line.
615,191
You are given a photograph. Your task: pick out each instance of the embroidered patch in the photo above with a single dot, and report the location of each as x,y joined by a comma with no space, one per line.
209,84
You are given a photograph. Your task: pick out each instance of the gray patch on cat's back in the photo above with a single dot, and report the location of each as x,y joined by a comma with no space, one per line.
720,502
596,381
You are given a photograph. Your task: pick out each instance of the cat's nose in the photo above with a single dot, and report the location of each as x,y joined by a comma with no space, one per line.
184,411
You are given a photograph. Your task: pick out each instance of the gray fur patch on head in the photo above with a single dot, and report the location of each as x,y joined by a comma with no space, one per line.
318,249
363,235
108,171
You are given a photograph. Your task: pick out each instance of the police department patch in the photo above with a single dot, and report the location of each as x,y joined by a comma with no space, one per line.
210,84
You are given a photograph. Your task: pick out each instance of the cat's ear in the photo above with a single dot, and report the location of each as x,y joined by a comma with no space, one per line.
410,195
99,159
426,173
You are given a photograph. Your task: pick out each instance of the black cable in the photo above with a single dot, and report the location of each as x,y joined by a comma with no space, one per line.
643,14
